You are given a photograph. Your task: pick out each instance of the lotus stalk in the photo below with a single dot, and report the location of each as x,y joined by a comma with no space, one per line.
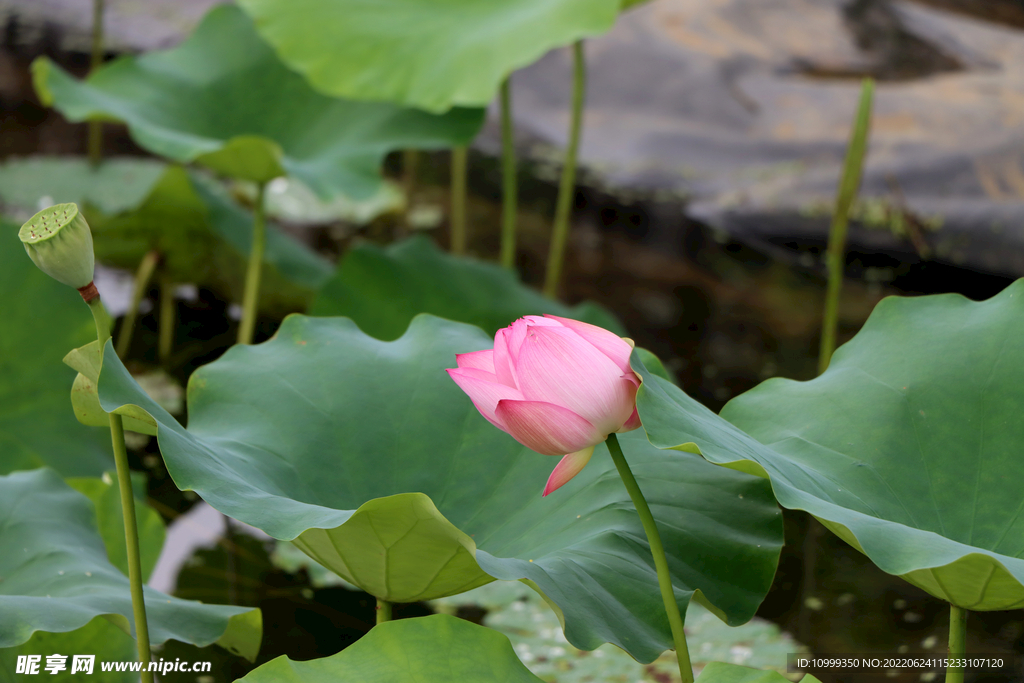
410,174
510,192
250,298
567,185
168,317
675,619
957,643
383,611
143,275
459,171
95,127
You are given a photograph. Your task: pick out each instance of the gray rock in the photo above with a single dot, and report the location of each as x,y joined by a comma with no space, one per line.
742,110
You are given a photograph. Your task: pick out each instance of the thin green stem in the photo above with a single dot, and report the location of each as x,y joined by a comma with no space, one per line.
383,611
124,483
957,642
168,316
567,186
509,195
95,128
410,173
460,170
250,299
675,620
143,275
848,186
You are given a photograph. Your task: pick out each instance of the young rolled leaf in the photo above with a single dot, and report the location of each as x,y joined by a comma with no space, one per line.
410,53
438,648
42,320
368,454
223,99
383,289
57,578
907,447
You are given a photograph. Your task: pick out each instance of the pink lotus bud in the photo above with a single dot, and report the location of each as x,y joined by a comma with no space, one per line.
558,386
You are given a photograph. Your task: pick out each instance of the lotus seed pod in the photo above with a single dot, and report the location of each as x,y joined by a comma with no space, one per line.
59,241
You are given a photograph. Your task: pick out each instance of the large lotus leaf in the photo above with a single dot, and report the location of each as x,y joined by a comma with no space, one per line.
106,499
907,447
223,99
42,320
419,53
28,184
348,443
382,289
57,578
438,648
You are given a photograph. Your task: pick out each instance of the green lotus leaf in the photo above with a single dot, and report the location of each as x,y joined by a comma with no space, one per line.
721,672
138,205
416,53
907,447
99,637
223,99
119,184
42,320
57,578
438,648
347,442
106,499
382,289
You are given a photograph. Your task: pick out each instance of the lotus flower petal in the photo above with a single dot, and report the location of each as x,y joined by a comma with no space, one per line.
632,423
520,328
608,343
480,360
567,468
485,391
546,428
557,366
503,366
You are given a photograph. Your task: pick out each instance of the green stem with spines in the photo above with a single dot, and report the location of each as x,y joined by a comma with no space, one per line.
124,483
95,128
848,186
459,171
510,192
250,298
383,611
143,275
567,186
675,619
957,642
